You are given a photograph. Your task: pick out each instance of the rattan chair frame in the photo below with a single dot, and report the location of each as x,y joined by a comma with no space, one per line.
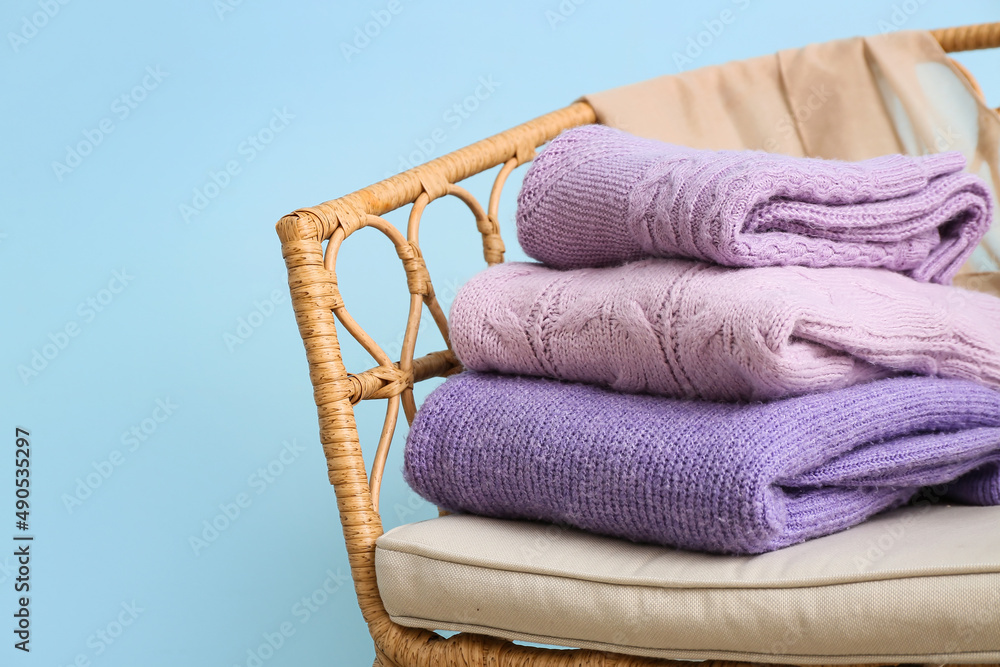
318,305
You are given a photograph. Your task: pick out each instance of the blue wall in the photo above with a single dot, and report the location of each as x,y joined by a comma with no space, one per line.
150,349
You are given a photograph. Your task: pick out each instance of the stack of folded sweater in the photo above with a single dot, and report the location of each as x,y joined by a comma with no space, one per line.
721,351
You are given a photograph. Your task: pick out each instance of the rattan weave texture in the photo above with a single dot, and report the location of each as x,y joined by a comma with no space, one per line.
318,305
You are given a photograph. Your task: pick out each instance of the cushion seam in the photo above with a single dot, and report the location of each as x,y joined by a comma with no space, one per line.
795,584
859,656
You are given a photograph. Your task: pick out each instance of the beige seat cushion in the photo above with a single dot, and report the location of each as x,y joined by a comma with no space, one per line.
920,584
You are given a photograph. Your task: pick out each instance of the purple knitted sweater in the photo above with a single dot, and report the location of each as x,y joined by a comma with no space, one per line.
599,196
688,329
727,478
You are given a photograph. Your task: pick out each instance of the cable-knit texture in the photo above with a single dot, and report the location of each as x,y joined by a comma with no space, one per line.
687,329
598,196
719,477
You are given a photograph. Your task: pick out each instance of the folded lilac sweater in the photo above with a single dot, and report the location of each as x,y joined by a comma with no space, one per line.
599,196
693,330
719,477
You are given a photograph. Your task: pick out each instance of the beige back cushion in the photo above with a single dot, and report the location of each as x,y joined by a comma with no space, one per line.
849,99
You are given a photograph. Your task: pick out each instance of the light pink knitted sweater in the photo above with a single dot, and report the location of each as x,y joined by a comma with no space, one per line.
688,329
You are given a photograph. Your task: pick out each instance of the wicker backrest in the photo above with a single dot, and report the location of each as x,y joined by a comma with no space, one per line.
318,305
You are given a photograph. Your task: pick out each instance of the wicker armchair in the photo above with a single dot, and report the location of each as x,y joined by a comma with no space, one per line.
311,239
